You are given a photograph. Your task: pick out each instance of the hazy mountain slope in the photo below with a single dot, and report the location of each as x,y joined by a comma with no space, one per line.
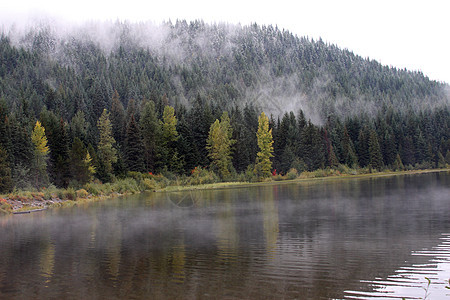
80,67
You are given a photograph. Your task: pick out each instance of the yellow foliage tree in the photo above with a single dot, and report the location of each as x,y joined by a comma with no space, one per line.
39,139
263,165
40,155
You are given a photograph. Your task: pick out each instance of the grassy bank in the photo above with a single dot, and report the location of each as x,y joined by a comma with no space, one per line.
200,179
306,176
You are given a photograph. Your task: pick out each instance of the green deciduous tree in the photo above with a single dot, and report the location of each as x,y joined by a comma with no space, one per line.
263,166
169,125
107,154
219,144
169,135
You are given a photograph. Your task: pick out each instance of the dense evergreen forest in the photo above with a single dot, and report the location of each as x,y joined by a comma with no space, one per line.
101,100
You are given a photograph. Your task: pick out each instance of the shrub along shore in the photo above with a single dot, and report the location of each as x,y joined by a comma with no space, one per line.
51,197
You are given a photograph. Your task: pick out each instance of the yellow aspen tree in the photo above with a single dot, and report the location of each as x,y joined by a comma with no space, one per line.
263,166
41,150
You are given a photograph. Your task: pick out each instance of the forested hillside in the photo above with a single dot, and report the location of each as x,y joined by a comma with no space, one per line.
119,97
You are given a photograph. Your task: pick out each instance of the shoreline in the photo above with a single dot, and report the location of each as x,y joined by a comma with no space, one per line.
35,202
225,185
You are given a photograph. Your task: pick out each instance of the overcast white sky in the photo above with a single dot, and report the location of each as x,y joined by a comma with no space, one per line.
406,34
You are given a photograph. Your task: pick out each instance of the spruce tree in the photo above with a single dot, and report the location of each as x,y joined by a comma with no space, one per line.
245,137
441,161
5,172
363,147
22,151
134,147
150,129
118,119
58,142
80,163
350,158
313,148
79,127
61,170
199,119
375,156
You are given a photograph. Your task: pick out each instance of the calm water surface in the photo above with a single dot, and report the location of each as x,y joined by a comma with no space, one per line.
357,239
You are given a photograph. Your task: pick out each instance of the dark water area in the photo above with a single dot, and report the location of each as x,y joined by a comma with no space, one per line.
369,238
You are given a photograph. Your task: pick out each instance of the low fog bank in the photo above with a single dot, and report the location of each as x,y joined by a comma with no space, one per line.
272,69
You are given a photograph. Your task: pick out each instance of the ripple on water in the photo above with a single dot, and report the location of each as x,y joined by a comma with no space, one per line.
411,282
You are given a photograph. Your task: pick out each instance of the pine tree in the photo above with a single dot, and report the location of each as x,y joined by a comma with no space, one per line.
185,143
41,150
363,147
79,127
134,147
22,151
331,156
287,159
60,169
80,163
408,151
150,129
118,119
58,142
375,156
5,140
199,119
350,158
5,172
263,166
107,154
313,147
421,148
441,161
246,146
388,148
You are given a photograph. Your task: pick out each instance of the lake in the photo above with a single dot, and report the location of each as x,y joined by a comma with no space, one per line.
366,238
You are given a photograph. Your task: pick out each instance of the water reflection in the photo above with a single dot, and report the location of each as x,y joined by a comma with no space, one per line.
410,281
47,261
307,241
270,217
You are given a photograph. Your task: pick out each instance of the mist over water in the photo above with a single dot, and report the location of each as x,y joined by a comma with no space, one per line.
310,240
